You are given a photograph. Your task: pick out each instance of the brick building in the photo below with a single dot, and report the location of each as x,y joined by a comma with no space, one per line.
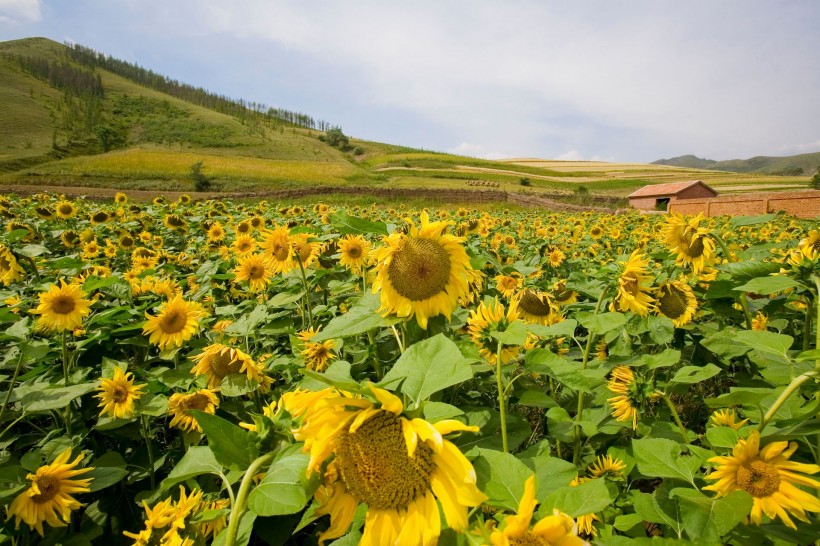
660,196
803,204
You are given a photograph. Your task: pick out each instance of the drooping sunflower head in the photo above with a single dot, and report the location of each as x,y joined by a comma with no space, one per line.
179,404
175,222
631,393
354,253
423,273
562,295
535,307
99,217
176,323
118,394
62,307
677,301
489,317
305,250
10,269
217,361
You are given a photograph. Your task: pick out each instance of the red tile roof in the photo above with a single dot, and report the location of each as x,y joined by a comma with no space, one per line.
672,188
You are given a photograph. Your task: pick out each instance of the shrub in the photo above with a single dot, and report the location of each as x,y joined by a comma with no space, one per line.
201,182
525,181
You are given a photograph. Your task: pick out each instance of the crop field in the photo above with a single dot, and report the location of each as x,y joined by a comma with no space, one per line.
182,372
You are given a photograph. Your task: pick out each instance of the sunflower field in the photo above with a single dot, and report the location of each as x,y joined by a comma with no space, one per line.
185,373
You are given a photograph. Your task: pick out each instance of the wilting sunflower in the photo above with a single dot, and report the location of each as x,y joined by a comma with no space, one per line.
118,394
423,273
10,270
557,529
277,248
66,209
62,307
535,307
176,323
507,285
760,321
630,393
48,499
318,355
213,527
677,301
562,295
305,250
180,404
396,465
217,361
486,318
256,269
166,523
726,418
46,213
354,253
770,477
634,285
692,243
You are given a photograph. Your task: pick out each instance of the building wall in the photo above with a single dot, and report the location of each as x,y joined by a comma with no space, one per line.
803,204
645,203
698,191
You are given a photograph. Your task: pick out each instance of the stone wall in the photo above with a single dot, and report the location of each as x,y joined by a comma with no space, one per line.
803,204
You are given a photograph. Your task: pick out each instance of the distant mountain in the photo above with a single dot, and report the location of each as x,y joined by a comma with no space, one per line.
795,165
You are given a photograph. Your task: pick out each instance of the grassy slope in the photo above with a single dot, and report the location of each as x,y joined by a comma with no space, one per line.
758,164
279,155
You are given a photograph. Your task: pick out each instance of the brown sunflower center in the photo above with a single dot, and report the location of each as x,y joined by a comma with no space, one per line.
672,302
305,252
5,264
528,539
120,394
222,364
280,252
63,305
534,305
256,271
243,246
354,252
66,209
48,486
173,321
758,478
375,467
196,401
693,245
420,270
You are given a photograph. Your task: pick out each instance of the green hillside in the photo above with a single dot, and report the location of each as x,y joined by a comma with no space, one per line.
77,119
795,165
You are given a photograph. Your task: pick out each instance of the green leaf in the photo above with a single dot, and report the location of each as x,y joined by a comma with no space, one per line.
236,384
725,437
602,322
748,270
282,491
346,224
336,375
284,299
501,477
649,509
709,518
54,398
689,375
104,476
767,342
565,328
586,498
559,368
515,334
745,396
32,251
738,221
243,533
246,324
552,473
669,357
661,458
536,399
768,285
360,319
232,446
197,460
429,366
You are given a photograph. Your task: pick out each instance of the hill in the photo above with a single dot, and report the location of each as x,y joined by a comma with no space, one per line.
795,165
74,118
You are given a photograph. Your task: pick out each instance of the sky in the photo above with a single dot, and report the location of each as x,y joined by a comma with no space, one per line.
609,80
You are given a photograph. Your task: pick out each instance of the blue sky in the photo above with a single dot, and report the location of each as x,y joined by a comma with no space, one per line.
600,79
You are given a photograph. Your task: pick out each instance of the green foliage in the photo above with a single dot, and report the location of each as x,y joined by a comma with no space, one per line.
201,182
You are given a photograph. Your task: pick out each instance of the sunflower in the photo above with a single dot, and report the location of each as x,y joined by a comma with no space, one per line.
256,269
176,323
70,238
633,285
557,529
535,307
117,395
623,404
216,233
175,222
62,307
396,465
692,243
99,217
212,527
243,245
46,213
770,477
48,499
422,274
66,209
562,295
180,404
677,301
355,252
304,249
555,257
120,198
10,270
165,523
508,284
486,318
726,418
318,355
607,465
217,361
278,249
760,321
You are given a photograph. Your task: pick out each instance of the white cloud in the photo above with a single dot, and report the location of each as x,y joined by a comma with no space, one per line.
572,155
19,11
476,150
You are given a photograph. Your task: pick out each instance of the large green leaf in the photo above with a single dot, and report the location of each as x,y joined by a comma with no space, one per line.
767,342
360,319
283,489
661,458
648,507
501,477
55,398
708,518
689,375
232,446
197,460
602,322
562,370
346,224
768,285
429,366
552,473
586,498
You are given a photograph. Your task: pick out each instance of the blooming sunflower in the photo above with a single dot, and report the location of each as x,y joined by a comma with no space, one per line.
62,307
217,361
623,404
256,269
10,270
354,253
535,307
48,499
176,323
633,285
395,465
305,250
423,273
165,523
486,318
66,209
677,301
607,465
180,404
118,394
120,198
507,285
769,476
760,321
726,418
244,244
319,354
562,295
278,249
216,233
557,529
692,243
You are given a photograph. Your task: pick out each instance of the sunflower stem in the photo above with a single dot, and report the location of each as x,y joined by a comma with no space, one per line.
684,434
146,433
238,509
11,385
398,339
576,452
787,392
377,366
307,292
33,267
744,303
66,364
502,399
807,325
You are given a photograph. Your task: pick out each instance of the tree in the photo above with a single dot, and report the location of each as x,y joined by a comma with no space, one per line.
336,138
201,182
815,180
